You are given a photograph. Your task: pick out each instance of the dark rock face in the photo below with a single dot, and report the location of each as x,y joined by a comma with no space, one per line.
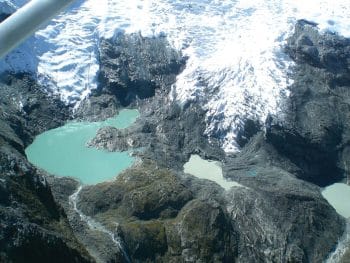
165,129
132,67
285,232
33,227
26,110
165,132
309,143
280,218
315,134
144,192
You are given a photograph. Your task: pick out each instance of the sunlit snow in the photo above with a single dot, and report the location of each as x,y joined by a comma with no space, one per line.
236,68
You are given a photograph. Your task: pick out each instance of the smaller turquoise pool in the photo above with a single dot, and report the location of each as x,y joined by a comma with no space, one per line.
209,170
63,151
338,195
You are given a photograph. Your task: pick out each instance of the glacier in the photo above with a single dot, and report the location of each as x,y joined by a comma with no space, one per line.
236,67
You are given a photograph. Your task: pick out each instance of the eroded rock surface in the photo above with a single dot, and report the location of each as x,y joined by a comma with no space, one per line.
280,217
315,133
132,67
276,217
160,218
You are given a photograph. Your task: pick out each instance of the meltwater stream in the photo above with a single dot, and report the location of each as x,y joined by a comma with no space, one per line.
63,151
94,225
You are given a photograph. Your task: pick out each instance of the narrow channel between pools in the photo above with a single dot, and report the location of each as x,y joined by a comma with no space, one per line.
63,151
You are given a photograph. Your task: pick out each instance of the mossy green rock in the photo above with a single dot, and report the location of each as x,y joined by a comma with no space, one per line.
159,219
144,191
146,241
202,233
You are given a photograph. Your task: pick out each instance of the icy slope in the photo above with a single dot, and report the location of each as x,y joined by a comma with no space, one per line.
236,68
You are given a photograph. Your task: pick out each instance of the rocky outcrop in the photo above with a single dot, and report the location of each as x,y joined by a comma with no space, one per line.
308,142
287,231
280,217
33,227
165,133
315,133
154,215
159,218
267,220
132,67
165,129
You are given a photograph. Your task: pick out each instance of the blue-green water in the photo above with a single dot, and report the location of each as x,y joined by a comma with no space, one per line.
209,170
338,195
252,173
63,151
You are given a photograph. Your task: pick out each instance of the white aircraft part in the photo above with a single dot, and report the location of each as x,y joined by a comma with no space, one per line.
26,21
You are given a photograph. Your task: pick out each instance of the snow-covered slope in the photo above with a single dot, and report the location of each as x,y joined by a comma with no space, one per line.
236,68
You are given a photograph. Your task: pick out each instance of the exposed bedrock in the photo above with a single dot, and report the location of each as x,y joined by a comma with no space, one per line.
309,142
280,218
33,227
277,217
153,212
166,133
160,218
315,133
132,67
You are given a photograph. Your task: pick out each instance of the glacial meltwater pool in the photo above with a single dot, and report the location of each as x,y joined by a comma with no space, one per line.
63,151
210,170
338,195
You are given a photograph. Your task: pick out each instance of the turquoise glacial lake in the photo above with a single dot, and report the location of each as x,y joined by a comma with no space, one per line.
209,170
63,151
338,195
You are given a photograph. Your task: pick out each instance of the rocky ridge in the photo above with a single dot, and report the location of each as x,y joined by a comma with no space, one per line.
309,141
153,212
168,133
315,134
